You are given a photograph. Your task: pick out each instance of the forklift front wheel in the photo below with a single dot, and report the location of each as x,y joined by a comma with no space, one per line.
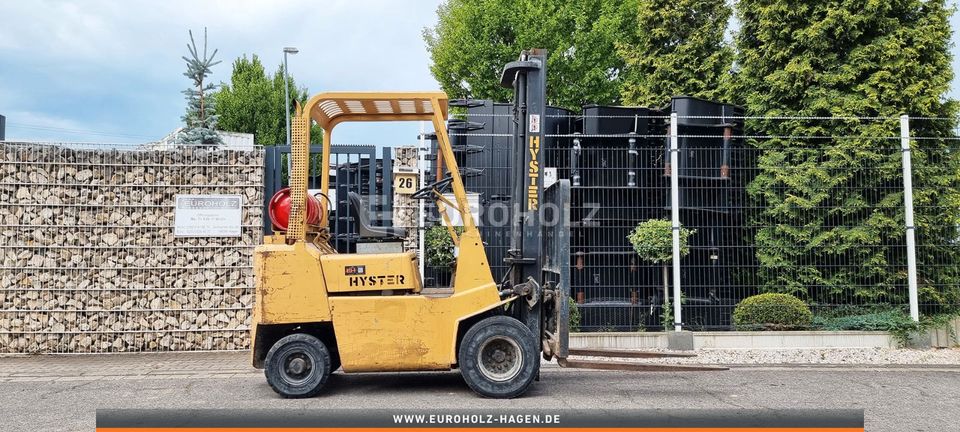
297,366
498,357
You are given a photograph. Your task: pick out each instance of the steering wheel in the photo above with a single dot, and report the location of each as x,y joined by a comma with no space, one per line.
439,186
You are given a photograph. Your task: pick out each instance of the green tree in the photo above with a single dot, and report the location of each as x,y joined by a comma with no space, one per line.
678,49
831,227
201,116
474,39
652,240
253,102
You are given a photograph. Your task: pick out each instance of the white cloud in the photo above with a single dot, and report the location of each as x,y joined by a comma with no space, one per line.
339,40
96,60
115,67
35,118
36,126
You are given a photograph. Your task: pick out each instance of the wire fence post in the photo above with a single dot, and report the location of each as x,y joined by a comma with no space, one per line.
675,218
908,217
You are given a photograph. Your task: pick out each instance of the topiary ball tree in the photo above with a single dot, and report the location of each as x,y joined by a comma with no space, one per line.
772,311
653,242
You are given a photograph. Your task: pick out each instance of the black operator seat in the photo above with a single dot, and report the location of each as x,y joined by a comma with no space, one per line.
362,217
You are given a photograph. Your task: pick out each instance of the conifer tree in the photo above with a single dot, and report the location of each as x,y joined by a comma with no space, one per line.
201,117
831,224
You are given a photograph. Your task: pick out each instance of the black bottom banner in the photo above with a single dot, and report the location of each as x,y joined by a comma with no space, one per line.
500,420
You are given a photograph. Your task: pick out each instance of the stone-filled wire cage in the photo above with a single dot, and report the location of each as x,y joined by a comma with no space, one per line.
90,259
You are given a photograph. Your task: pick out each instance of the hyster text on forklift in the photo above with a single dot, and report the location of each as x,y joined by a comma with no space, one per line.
318,310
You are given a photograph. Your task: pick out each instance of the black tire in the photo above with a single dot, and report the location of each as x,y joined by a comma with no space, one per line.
297,366
498,358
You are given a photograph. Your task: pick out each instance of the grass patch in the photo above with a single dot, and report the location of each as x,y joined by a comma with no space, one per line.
871,319
880,318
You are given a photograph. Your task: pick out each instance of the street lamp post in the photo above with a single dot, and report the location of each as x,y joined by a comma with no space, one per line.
286,85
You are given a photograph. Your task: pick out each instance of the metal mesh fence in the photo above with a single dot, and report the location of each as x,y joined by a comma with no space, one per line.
935,159
90,260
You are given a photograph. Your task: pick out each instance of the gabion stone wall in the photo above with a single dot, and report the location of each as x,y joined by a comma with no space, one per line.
406,210
89,259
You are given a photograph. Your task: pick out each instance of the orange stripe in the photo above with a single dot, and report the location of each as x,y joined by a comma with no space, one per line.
454,429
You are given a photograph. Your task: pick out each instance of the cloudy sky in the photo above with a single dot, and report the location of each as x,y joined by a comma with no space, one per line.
110,71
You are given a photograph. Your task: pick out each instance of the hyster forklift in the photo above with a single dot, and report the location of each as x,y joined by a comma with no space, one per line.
318,310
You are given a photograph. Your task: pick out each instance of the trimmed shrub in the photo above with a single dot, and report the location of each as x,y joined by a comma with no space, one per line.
772,311
653,240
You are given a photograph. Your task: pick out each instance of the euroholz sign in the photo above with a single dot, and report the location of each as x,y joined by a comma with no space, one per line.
207,216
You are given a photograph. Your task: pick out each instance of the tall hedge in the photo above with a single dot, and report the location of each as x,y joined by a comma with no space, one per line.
831,221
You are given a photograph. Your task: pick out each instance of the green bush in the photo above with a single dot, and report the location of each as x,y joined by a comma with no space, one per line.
574,315
873,318
439,246
772,311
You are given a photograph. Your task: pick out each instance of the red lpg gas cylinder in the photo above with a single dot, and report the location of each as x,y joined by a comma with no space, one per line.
279,209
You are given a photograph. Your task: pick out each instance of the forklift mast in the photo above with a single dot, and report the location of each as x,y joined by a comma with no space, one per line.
527,78
539,253
538,257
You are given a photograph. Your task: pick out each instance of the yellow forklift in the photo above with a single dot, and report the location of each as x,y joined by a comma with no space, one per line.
318,310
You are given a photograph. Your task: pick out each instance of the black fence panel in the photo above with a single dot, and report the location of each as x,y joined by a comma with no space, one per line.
616,161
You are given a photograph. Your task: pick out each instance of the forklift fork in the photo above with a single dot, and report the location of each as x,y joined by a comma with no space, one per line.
556,308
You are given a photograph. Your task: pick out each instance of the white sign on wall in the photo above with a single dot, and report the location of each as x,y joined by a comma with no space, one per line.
549,177
207,216
534,123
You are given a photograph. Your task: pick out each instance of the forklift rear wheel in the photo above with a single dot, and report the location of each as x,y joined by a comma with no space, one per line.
297,366
498,357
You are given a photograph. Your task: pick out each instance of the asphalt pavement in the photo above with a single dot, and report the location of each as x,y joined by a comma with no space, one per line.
63,392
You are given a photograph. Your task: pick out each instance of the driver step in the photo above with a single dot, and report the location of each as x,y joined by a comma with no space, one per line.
437,292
